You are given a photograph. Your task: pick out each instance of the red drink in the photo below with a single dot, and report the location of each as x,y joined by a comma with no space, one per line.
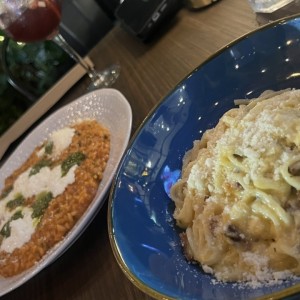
36,23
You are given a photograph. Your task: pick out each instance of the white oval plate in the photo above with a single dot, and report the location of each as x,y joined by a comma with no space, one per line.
110,108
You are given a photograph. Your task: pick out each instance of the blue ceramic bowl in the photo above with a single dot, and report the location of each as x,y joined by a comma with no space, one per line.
143,234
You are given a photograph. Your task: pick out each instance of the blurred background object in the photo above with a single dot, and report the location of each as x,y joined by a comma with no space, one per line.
197,4
85,22
271,10
27,71
268,6
109,6
143,18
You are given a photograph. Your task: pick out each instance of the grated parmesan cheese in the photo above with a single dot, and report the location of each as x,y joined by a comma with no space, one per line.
61,140
21,231
240,190
47,179
28,185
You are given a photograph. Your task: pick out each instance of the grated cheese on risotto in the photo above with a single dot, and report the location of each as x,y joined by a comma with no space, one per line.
44,198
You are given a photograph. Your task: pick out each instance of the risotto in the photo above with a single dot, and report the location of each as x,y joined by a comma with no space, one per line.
43,199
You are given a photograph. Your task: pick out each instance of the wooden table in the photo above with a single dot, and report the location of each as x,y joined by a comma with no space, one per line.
88,270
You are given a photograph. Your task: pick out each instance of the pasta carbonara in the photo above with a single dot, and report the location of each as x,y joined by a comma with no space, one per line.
238,197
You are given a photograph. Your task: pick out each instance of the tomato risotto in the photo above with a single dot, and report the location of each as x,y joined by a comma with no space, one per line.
43,199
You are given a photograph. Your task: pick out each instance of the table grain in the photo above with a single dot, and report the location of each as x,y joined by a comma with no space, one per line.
149,71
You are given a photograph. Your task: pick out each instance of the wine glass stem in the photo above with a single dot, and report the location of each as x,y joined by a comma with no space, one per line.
60,41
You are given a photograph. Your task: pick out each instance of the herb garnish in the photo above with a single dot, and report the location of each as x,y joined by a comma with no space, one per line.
17,201
6,191
72,160
49,147
40,204
39,165
6,229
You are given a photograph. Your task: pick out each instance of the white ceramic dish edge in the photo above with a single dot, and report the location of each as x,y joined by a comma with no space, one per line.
111,109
